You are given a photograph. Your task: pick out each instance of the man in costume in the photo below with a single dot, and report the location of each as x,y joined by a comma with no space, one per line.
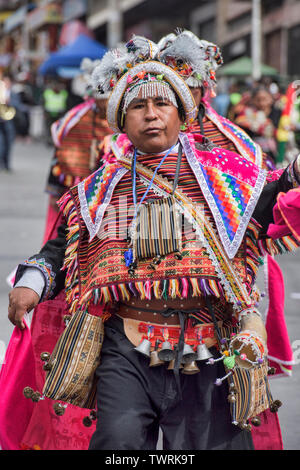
133,276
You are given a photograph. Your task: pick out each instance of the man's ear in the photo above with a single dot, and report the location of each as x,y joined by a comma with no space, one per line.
123,123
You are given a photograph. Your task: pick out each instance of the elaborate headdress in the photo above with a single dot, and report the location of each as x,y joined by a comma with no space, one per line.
194,59
87,67
134,70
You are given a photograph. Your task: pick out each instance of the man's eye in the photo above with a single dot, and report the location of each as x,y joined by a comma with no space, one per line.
162,103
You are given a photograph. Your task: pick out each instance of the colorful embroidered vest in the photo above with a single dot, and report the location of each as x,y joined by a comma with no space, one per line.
224,262
77,136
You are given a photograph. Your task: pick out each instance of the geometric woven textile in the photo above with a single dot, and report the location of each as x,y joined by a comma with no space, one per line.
74,361
232,197
231,185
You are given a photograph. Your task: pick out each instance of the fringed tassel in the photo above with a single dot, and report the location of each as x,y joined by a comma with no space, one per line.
165,289
105,295
156,289
147,290
277,247
214,288
185,288
140,288
196,292
70,263
174,292
115,293
124,292
253,254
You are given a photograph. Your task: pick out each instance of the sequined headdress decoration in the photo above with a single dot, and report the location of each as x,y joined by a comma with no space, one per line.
87,67
195,60
134,70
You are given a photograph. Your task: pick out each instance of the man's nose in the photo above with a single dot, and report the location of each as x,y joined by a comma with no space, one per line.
150,113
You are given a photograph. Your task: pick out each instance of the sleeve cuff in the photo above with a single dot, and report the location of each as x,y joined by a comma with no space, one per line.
45,269
33,279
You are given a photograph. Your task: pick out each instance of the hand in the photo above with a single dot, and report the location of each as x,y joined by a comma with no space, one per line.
251,341
21,300
249,349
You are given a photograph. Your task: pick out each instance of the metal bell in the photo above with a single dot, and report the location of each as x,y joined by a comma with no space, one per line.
172,364
144,347
28,392
256,421
188,354
154,359
190,368
203,352
166,353
59,409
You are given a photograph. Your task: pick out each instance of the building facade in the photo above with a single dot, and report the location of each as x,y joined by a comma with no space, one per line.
30,30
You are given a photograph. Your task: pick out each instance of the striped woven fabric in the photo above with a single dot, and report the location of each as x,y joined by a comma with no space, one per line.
254,395
74,361
212,133
252,390
157,231
73,156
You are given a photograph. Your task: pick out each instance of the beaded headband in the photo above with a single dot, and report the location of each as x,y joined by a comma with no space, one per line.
136,68
148,86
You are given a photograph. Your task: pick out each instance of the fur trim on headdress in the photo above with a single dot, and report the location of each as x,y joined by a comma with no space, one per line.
117,62
87,67
194,59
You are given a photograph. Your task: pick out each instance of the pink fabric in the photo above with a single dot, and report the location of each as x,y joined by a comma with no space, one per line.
16,373
286,215
53,220
45,430
268,435
28,425
280,352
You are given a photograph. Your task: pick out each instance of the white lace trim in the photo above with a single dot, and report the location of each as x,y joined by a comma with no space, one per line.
93,228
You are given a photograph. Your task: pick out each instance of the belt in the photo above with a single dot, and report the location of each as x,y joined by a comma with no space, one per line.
138,324
141,322
164,318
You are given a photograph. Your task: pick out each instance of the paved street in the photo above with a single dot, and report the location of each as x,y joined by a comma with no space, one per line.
22,216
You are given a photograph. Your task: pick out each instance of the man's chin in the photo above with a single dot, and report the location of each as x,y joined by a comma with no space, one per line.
153,145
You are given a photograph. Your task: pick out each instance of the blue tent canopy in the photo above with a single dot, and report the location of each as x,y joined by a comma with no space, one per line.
72,55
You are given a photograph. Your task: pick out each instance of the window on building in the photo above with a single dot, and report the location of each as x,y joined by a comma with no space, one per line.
270,5
294,51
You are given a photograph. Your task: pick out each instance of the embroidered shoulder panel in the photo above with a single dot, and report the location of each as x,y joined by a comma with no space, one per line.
95,193
245,145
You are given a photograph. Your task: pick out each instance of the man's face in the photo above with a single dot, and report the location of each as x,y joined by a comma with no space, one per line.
262,100
152,124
